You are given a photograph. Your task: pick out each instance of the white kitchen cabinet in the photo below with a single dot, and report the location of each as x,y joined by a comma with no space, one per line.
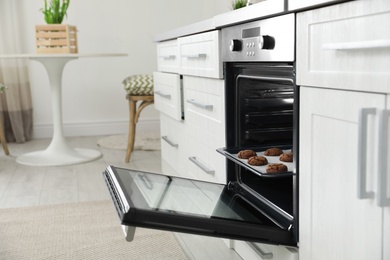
168,94
168,56
200,55
205,128
192,108
346,46
343,55
334,222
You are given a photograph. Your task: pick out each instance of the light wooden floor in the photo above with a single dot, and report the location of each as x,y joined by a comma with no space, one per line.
22,186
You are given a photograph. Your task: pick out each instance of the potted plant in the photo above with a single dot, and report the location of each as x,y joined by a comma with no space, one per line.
56,11
54,37
239,4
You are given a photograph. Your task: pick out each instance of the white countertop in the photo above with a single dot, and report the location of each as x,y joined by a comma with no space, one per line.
250,13
51,56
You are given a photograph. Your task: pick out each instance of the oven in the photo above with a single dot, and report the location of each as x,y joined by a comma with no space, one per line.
261,105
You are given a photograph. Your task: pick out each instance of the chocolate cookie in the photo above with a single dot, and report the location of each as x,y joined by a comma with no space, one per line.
257,160
246,154
286,157
276,167
273,152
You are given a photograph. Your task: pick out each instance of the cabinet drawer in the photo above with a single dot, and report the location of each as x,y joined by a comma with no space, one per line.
248,250
172,143
204,103
203,161
167,94
345,46
200,55
168,56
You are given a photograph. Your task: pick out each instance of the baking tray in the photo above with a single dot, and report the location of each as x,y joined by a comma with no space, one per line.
232,153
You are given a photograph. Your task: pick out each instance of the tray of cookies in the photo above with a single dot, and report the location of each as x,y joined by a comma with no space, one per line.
271,162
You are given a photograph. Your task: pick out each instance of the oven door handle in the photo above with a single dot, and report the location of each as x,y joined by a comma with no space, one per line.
265,78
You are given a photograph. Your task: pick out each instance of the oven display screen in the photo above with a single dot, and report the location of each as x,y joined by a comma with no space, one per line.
251,32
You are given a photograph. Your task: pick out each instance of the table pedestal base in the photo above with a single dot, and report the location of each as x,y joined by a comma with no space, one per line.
50,158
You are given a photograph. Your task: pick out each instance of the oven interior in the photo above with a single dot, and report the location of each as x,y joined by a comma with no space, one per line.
260,115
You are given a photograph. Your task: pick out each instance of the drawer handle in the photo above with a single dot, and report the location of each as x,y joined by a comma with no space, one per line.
195,56
168,96
201,166
168,57
382,199
260,252
375,44
362,153
197,104
166,139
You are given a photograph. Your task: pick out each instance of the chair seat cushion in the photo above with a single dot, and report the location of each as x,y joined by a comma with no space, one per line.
139,85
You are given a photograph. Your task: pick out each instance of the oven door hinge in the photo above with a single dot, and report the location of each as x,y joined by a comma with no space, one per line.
235,187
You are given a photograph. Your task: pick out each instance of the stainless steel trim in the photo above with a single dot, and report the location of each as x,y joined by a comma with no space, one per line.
197,104
362,153
168,96
200,165
280,28
266,78
118,189
382,199
166,139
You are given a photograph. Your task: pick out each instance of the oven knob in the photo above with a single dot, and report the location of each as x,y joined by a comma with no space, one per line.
267,42
235,45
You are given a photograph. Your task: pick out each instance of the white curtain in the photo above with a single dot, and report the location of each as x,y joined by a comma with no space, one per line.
16,103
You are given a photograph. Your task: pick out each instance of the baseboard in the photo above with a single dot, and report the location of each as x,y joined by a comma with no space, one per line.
96,128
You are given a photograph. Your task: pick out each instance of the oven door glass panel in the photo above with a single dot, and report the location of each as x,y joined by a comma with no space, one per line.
150,200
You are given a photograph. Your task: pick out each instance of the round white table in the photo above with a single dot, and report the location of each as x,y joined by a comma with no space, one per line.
59,152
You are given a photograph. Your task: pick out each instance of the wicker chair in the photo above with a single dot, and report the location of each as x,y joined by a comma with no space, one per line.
2,135
139,88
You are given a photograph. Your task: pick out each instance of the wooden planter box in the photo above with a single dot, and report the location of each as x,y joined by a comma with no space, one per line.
56,38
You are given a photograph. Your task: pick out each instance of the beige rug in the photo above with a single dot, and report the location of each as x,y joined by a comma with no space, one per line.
143,141
87,230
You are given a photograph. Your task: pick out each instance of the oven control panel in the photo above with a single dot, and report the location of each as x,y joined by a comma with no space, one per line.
270,39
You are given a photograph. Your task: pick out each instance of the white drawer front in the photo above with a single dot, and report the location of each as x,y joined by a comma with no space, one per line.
204,105
203,161
168,56
172,143
345,46
167,94
249,251
200,55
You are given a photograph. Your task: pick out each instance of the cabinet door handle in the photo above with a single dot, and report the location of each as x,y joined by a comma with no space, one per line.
340,46
166,139
382,199
194,56
168,57
201,166
195,103
362,153
260,252
168,96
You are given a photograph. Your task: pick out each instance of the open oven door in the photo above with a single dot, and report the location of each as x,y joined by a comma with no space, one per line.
149,200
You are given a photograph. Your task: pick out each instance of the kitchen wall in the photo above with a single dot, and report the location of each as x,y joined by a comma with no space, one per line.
93,97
